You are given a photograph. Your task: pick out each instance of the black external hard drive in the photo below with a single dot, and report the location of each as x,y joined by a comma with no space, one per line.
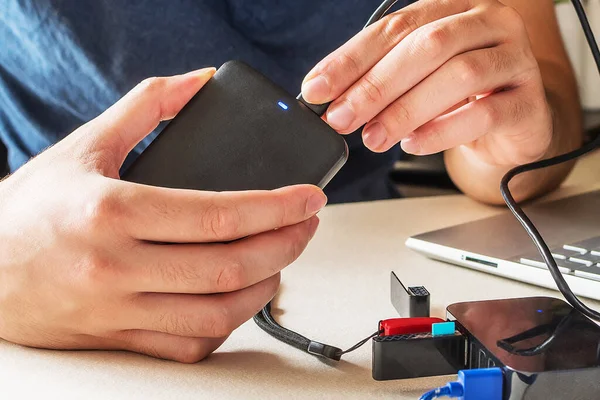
241,132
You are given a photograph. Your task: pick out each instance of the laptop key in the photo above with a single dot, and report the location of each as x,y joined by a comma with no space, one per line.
588,275
587,257
586,263
573,265
576,249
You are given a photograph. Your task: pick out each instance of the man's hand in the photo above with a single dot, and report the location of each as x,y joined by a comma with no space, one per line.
444,73
401,76
92,262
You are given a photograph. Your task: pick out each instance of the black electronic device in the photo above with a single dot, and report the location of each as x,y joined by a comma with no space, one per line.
546,349
241,132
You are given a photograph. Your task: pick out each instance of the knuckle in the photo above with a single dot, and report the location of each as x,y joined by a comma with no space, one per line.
95,269
372,89
101,209
152,84
431,41
192,352
346,62
296,245
218,324
467,70
396,26
401,113
221,221
231,276
512,20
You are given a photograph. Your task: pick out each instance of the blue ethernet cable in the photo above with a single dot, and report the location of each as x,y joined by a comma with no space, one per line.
472,384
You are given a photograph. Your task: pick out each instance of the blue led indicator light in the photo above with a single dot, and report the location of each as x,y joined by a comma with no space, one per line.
540,311
283,105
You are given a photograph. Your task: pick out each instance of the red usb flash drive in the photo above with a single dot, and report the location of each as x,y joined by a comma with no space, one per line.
403,326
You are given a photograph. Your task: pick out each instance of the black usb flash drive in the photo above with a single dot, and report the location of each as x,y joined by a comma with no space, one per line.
411,302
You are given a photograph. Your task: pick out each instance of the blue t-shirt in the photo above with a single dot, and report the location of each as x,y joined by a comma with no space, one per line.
63,62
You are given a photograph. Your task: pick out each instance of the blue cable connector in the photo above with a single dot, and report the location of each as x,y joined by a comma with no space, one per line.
472,384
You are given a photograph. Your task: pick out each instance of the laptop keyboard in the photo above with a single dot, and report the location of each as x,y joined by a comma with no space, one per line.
580,259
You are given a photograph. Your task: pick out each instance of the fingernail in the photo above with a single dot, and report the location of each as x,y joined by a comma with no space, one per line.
410,145
340,116
316,90
374,136
316,202
203,73
312,229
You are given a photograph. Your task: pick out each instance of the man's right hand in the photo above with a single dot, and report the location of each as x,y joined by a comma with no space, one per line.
88,261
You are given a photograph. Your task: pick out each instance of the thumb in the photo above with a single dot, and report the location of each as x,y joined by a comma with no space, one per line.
133,117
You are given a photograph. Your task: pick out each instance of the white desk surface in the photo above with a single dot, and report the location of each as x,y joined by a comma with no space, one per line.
335,293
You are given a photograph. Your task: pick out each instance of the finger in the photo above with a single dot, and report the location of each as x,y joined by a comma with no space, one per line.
140,111
213,316
409,63
495,120
215,268
186,216
469,74
336,72
162,345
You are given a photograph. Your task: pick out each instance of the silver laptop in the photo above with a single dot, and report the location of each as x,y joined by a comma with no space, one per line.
500,246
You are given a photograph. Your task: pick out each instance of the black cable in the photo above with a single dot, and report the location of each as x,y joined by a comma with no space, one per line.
518,212
381,11
264,319
320,109
557,330
267,323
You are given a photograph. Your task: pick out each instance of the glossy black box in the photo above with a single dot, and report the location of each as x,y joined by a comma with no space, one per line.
547,349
